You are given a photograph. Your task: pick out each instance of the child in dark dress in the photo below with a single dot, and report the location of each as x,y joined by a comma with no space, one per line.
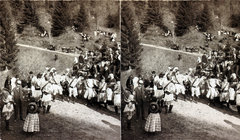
153,123
31,123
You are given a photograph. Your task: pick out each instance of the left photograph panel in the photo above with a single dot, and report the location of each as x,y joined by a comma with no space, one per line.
60,70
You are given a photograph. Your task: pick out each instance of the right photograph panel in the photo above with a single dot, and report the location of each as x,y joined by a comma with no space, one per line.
180,70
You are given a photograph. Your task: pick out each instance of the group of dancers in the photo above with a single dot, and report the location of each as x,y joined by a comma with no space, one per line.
97,82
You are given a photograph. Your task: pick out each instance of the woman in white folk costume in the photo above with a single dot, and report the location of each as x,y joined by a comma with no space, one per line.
102,95
90,92
55,81
117,96
178,81
224,95
7,108
36,88
47,90
213,92
73,93
232,89
169,90
195,86
129,109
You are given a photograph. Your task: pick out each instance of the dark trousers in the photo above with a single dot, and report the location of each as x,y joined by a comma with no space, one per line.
140,108
18,108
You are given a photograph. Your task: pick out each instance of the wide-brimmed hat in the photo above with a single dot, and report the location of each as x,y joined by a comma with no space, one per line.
154,107
32,107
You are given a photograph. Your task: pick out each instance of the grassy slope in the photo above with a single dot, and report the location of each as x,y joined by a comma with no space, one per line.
154,59
36,60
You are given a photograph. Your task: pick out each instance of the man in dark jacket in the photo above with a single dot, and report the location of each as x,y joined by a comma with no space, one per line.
18,98
140,99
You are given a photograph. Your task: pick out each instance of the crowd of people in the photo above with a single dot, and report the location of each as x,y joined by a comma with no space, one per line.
216,77
94,77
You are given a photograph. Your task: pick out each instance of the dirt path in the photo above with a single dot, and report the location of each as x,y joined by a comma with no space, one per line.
38,48
190,121
164,48
70,121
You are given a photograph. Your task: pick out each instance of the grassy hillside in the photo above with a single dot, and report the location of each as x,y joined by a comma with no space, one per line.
30,59
154,59
159,60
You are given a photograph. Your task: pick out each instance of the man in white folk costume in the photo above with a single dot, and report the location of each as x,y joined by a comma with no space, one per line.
169,90
102,95
224,94
73,93
195,86
90,92
213,83
47,90
55,81
178,81
36,88
233,87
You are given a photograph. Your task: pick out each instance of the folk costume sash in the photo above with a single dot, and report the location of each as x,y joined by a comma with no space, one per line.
225,86
176,79
54,79
166,92
71,82
44,87
102,86
194,82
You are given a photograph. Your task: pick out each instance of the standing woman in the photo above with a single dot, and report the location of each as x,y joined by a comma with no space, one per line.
8,107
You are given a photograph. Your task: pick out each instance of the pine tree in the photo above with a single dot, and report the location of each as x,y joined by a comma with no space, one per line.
60,19
30,17
130,44
153,16
205,22
183,18
235,21
8,46
81,21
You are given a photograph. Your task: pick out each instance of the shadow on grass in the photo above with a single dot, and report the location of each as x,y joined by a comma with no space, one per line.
235,126
217,106
53,126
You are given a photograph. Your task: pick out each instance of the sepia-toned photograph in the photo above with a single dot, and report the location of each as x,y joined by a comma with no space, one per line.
180,70
120,70
60,70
